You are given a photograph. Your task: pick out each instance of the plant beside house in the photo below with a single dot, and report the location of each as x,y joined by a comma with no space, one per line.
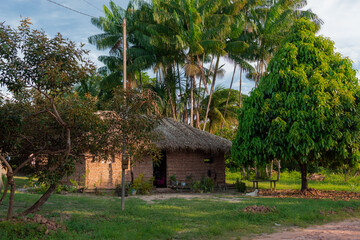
240,186
173,180
140,186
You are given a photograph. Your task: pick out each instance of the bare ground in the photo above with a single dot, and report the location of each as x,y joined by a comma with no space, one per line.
150,199
345,230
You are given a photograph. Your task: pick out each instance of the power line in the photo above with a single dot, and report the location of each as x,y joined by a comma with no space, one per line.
85,14
93,6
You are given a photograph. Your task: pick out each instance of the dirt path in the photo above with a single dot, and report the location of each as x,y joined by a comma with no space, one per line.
349,229
150,199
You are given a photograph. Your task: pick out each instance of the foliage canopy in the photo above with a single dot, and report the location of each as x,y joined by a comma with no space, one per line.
305,109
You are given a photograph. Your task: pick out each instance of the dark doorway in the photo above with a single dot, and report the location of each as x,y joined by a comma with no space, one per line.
160,171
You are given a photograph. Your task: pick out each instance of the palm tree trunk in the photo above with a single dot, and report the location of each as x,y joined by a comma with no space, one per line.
208,75
192,101
171,103
201,65
186,115
140,79
228,97
197,115
180,91
211,91
240,96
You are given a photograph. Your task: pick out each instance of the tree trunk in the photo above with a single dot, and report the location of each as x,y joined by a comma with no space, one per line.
197,114
240,97
228,97
1,177
123,167
267,170
192,101
171,103
179,79
41,201
123,189
278,167
201,65
271,169
256,172
4,193
243,172
304,183
140,80
211,91
11,182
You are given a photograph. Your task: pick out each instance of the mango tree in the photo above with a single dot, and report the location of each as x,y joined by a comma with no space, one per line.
306,108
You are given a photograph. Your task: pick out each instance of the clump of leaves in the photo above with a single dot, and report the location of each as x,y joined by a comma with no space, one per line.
204,185
240,186
141,185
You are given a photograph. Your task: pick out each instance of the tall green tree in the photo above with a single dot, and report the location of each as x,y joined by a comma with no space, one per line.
305,109
220,101
44,117
270,25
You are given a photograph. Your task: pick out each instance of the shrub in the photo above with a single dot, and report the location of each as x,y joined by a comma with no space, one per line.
204,185
141,186
240,186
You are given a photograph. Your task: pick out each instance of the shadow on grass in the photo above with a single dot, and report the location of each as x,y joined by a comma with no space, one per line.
90,217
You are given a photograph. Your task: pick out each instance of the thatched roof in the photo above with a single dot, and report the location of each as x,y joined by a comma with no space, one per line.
175,136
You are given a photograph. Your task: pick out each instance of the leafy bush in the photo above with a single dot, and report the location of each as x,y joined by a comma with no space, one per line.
41,188
204,185
21,230
141,186
240,186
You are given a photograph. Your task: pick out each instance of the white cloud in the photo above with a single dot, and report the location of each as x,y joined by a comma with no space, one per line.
340,16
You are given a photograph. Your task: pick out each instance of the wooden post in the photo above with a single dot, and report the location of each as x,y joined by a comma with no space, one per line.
124,158
124,53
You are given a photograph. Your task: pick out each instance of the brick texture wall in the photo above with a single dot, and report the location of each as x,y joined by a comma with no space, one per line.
183,164
106,174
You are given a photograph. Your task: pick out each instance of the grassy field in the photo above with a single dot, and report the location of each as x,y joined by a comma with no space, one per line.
292,180
92,217
100,217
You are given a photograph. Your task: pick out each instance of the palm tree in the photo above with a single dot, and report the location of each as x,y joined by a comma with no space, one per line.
141,52
271,23
185,19
217,107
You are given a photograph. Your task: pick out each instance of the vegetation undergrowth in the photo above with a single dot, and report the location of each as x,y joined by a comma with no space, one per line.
100,217
292,180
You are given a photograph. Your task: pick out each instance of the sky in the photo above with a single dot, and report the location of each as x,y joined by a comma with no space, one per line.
340,17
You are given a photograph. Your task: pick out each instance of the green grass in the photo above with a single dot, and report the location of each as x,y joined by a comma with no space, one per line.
292,180
100,217
93,217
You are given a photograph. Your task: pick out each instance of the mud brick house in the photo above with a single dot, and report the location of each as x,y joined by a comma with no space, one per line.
186,151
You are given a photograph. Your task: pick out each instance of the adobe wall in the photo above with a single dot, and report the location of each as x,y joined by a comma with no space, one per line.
183,164
79,175
106,174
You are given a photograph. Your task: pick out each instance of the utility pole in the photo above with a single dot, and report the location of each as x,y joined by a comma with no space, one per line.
124,157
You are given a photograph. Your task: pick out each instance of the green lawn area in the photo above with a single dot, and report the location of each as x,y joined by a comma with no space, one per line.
292,180
100,217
